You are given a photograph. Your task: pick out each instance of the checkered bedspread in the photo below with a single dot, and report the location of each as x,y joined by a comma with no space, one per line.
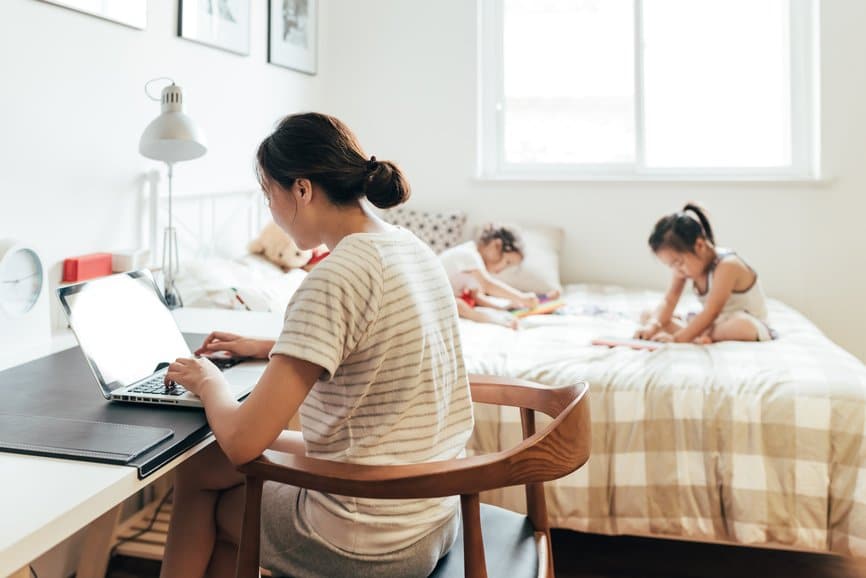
754,443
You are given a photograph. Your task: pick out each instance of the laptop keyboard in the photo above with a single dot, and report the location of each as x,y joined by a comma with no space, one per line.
156,385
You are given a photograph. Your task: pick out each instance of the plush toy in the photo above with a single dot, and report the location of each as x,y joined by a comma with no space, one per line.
280,249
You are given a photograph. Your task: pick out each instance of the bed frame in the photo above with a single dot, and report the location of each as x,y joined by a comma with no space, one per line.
217,224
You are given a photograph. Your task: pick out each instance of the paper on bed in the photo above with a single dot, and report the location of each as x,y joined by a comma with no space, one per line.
614,341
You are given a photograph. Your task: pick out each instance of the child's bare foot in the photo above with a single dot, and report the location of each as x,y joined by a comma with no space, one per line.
496,318
550,295
704,339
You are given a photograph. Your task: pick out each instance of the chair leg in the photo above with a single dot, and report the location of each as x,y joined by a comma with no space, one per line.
551,572
474,565
544,547
536,508
248,549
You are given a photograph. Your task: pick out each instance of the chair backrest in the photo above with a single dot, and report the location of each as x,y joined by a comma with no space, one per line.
555,451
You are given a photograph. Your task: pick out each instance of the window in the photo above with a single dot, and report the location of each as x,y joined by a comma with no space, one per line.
691,89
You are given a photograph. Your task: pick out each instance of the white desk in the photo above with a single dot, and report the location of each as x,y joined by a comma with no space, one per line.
44,500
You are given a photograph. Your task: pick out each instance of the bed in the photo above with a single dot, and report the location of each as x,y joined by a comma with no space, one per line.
749,443
752,443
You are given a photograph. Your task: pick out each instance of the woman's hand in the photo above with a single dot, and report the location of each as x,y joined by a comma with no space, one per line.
663,337
236,345
194,374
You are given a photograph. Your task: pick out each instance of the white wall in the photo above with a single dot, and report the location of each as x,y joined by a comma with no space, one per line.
73,108
403,75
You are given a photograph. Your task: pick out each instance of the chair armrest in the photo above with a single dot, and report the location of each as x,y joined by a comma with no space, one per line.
551,400
447,477
425,480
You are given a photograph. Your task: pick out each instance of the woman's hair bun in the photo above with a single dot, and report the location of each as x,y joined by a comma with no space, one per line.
385,184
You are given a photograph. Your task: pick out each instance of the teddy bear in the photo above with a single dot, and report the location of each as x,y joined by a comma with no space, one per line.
279,248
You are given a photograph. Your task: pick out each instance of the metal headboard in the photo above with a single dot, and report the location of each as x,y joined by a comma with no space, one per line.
218,224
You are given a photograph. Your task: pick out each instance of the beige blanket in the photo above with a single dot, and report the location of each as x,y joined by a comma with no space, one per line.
755,443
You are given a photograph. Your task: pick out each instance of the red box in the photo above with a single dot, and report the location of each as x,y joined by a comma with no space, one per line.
86,267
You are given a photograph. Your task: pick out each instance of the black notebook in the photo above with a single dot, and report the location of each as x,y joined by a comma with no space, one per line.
81,439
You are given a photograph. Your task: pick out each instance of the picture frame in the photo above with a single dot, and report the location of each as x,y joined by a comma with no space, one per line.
293,34
131,13
223,24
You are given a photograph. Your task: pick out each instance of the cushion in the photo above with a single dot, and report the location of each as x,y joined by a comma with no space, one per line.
539,270
439,229
509,547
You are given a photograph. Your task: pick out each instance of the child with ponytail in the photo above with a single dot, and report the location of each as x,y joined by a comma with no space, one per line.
734,305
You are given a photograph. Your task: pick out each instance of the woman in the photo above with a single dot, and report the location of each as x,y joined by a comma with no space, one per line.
369,353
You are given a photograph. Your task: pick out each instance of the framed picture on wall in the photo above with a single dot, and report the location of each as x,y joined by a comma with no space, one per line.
131,13
219,23
293,34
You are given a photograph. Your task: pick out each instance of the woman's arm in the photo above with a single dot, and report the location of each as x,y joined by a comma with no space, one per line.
237,345
245,430
497,288
724,279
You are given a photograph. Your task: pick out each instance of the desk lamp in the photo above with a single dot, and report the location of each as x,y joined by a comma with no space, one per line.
171,137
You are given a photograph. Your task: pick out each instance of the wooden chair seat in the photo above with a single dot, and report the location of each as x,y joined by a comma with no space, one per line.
515,543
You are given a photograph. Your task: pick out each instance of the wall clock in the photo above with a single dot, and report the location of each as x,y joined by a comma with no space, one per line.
24,317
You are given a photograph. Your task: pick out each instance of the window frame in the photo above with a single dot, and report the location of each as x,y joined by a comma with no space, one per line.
805,113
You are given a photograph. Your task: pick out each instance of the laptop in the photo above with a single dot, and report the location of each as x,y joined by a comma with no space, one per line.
129,338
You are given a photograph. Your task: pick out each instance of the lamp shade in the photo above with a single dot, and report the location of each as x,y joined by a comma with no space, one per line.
172,136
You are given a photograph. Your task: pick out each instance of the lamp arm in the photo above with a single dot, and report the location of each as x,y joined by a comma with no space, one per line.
170,192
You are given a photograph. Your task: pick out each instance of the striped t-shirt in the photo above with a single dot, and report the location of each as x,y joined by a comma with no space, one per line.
379,316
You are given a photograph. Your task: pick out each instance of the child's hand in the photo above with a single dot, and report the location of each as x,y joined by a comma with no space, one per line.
663,337
528,300
647,331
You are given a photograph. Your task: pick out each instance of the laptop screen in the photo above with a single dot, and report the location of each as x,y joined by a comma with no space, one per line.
123,327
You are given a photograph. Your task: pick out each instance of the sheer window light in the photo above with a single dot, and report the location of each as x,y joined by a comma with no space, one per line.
647,89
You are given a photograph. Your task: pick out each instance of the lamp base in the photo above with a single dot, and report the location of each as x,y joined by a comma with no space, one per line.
172,297
170,269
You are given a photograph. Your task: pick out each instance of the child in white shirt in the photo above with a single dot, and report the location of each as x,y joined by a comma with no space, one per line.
470,268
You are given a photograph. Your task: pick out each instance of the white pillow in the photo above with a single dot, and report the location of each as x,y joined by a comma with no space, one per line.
273,295
218,282
539,270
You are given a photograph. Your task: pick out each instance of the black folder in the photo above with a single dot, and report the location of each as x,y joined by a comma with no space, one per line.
98,441
61,386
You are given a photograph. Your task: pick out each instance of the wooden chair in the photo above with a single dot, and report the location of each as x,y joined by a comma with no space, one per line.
517,545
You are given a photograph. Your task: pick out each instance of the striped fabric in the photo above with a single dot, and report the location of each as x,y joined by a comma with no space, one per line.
379,316
753,443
